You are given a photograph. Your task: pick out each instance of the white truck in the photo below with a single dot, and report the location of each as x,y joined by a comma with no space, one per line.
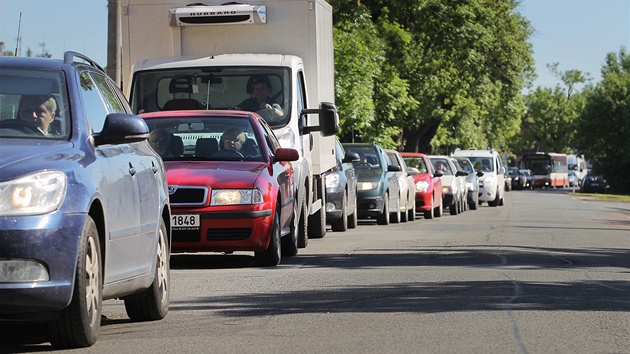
578,164
177,55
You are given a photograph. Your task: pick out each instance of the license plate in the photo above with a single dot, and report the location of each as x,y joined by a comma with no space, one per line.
595,184
185,221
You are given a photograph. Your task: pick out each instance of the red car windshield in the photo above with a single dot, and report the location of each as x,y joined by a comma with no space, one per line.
204,138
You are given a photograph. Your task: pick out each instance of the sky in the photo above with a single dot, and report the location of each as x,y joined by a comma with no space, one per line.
576,34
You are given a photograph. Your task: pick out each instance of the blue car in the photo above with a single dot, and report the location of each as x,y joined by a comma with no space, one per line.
377,184
341,191
84,211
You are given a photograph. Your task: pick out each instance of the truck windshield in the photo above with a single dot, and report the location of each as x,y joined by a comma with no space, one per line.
263,90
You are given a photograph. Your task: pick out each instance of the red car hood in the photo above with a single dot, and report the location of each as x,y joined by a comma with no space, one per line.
422,177
214,174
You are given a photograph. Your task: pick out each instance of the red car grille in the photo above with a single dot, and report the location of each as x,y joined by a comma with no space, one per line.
228,234
188,196
212,235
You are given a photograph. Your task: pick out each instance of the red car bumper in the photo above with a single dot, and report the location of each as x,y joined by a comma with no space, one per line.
423,200
226,231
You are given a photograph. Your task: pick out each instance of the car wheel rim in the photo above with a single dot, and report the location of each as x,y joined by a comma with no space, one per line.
92,290
162,266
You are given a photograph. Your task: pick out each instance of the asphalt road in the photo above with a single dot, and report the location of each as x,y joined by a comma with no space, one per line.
546,273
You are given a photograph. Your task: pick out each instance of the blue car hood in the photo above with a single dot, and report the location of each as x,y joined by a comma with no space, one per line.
368,174
14,152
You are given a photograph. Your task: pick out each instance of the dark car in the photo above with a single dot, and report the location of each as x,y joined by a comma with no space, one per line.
84,211
377,184
472,181
518,180
594,184
527,178
341,191
231,185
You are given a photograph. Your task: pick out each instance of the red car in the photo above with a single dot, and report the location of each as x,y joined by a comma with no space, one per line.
428,184
231,185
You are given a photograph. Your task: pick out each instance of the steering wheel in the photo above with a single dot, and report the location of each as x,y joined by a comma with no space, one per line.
228,153
21,125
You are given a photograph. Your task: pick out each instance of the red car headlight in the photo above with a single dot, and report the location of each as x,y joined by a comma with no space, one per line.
236,196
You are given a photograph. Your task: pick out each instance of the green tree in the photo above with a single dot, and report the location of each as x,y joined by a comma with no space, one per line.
604,125
442,73
549,124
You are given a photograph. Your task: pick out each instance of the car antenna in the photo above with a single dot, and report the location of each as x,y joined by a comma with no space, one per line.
17,42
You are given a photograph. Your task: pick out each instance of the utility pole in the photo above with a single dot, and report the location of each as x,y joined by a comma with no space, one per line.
113,41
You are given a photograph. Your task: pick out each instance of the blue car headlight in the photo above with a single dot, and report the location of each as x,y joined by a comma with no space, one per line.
35,194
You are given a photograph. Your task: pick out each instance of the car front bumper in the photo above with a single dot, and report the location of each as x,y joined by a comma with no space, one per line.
248,229
423,201
51,240
369,203
334,203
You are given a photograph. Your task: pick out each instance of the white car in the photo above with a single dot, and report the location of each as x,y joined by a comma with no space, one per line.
453,183
492,183
406,186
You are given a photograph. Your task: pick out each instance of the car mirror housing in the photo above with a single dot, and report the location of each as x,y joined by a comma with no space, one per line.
461,173
393,168
351,157
438,174
122,128
286,154
480,173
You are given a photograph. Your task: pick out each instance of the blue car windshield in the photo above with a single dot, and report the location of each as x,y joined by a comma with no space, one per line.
33,104
368,156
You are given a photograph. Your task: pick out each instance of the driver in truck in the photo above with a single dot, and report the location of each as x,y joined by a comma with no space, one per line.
261,103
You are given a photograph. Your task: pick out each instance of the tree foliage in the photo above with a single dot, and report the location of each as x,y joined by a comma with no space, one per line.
423,75
603,128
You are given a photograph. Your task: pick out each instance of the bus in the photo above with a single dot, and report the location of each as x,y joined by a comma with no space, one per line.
548,169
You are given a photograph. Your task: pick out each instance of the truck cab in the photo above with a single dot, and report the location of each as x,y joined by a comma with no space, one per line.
177,55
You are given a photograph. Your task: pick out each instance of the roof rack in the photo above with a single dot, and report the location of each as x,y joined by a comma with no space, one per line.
68,58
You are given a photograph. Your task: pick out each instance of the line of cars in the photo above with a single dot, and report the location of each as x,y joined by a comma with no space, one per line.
93,199
394,186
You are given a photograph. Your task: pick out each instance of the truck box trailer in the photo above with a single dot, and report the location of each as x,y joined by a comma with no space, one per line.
177,55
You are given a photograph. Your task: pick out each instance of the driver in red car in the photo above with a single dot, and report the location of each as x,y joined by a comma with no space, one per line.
233,139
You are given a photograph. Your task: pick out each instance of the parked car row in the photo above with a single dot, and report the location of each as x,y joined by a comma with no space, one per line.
93,199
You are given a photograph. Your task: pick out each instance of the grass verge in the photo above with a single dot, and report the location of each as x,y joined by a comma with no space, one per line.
604,197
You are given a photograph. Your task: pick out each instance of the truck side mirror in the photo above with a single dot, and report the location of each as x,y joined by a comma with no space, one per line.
328,119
